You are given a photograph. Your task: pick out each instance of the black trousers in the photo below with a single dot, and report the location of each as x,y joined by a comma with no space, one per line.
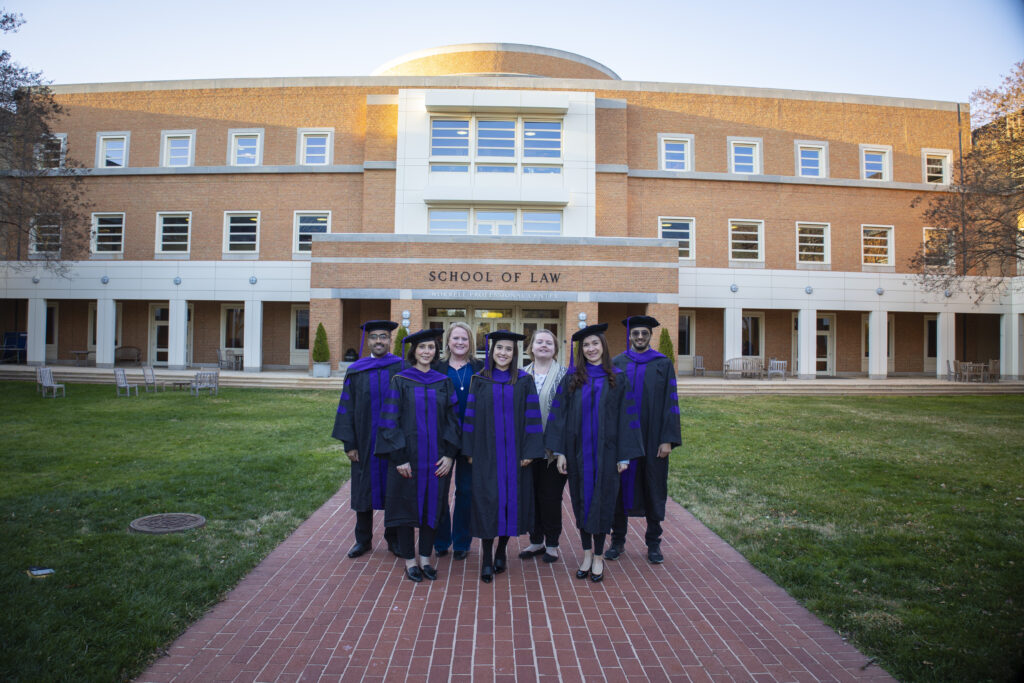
548,485
406,541
364,529
593,540
621,523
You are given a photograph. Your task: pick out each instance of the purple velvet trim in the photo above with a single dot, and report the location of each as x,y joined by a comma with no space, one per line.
470,412
591,417
428,377
435,439
372,363
506,457
534,429
533,398
636,370
426,446
387,424
645,357
393,395
533,412
378,466
634,425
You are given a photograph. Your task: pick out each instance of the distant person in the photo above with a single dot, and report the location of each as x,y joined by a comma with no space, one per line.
356,423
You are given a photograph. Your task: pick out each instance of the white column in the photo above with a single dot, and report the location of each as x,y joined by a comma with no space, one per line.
945,328
732,333
106,332
1011,331
36,341
807,343
878,342
253,360
177,332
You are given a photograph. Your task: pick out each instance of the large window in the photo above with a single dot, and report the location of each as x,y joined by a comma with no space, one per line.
232,330
315,147
812,243
177,148
876,162
745,155
686,321
495,145
172,232
675,152
936,166
752,341
44,238
307,224
107,235
245,147
495,222
680,230
111,150
50,152
242,232
876,245
811,159
745,240
938,247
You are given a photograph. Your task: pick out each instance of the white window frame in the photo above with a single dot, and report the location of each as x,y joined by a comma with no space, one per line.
94,232
924,246
821,146
223,321
756,143
160,215
165,143
664,139
300,146
760,331
235,134
947,156
890,251
692,313
40,151
520,159
103,138
886,152
226,247
519,218
828,242
690,241
733,261
299,356
33,243
296,242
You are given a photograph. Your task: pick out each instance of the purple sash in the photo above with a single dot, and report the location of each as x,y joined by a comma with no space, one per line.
426,446
506,459
591,449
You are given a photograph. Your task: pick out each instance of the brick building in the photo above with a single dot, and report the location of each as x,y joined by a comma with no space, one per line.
515,187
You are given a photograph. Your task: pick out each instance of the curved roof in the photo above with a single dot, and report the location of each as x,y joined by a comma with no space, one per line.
504,59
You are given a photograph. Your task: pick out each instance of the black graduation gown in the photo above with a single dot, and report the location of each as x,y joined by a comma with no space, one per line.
419,426
502,427
593,438
652,380
355,424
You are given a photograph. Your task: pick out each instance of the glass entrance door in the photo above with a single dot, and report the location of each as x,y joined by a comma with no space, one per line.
824,345
159,334
484,318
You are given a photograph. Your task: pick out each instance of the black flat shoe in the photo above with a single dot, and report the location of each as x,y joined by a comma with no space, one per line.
499,565
487,574
527,554
414,574
597,577
582,573
550,558
614,552
460,554
654,556
442,553
429,572
359,549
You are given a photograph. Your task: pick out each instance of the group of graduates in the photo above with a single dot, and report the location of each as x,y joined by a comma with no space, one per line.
513,437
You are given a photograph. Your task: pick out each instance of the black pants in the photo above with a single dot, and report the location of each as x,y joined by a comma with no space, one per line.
595,540
364,529
548,485
621,523
486,544
406,541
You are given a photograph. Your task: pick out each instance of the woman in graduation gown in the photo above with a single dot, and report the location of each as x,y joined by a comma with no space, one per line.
501,436
419,435
593,431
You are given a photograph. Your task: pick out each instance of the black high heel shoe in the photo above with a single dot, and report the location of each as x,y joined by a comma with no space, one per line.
487,574
500,564
594,576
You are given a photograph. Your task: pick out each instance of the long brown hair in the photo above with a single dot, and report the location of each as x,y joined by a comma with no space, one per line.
513,367
579,375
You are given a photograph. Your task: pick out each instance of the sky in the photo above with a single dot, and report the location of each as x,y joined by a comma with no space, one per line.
924,49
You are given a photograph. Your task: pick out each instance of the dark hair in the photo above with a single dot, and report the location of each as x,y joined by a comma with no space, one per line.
579,375
513,367
411,355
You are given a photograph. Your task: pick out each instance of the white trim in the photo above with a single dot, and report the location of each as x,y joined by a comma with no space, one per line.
890,257
300,146
90,343
924,247
691,246
760,241
828,242
760,326
165,138
687,138
296,252
822,146
930,362
299,356
758,145
890,324
226,244
236,133
886,151
39,150
159,239
33,242
94,233
103,137
223,321
692,314
946,154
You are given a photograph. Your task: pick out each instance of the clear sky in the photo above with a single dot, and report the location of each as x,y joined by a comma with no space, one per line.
929,49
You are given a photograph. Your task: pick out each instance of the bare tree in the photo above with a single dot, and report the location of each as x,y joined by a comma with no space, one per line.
43,208
978,223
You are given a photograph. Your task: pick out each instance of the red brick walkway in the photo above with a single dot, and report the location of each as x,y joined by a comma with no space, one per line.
309,613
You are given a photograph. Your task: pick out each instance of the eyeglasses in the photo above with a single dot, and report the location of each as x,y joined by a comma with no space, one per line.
379,337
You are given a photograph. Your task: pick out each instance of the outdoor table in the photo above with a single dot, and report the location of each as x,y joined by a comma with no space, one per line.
181,386
973,372
81,357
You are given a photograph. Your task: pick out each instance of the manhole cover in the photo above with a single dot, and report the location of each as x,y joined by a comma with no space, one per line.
167,523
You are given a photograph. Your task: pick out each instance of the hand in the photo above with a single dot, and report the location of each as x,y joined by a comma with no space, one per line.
524,463
664,449
469,460
622,466
444,466
353,455
405,470
560,464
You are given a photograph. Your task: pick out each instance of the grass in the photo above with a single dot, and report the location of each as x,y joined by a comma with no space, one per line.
898,521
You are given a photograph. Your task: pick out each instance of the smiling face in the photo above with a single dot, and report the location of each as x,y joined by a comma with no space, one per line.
503,353
640,338
458,343
380,342
593,349
543,347
425,353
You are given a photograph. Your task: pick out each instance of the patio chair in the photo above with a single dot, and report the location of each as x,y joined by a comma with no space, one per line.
206,380
121,382
225,361
15,345
149,377
698,365
777,367
733,367
992,373
950,373
128,354
47,384
957,374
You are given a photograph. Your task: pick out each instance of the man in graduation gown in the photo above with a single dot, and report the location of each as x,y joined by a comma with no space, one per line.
356,423
644,489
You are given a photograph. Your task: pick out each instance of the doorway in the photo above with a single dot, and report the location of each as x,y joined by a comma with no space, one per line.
485,318
159,335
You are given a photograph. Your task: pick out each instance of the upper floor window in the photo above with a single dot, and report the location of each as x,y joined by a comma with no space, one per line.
44,236
675,152
532,144
50,152
938,247
111,150
107,233
680,230
876,162
307,224
494,222
812,243
316,147
811,159
245,147
177,148
173,231
876,245
745,240
242,232
745,155
935,165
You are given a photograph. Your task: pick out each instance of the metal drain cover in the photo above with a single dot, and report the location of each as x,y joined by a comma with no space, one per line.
167,523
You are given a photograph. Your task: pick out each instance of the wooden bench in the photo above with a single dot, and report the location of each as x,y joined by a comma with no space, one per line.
205,380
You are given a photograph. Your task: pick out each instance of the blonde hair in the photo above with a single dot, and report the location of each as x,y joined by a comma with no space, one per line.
448,336
539,330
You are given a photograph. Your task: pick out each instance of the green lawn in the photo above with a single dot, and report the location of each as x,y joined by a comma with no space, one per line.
899,521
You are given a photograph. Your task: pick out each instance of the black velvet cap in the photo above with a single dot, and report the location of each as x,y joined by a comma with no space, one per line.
422,336
371,325
589,330
640,321
502,335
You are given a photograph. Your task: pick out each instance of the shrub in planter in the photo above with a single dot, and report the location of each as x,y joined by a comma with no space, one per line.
321,353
